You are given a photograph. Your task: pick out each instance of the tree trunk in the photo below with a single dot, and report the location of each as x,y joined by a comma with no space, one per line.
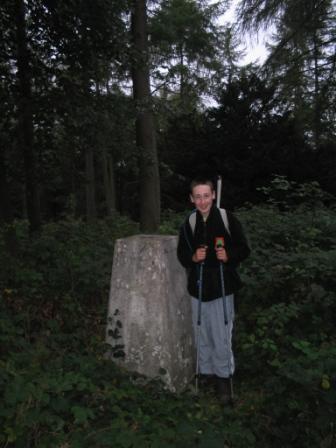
109,183
182,89
317,102
6,214
90,186
5,204
107,164
25,119
145,129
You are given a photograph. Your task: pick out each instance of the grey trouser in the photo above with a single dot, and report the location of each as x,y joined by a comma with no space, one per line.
216,356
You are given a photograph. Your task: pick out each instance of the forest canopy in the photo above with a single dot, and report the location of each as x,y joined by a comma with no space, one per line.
80,91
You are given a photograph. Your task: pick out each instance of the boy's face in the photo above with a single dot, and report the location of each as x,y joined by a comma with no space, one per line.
202,196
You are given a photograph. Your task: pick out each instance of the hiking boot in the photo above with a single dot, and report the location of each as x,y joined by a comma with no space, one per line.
207,380
224,390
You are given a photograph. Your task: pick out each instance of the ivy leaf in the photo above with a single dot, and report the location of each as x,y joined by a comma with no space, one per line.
82,414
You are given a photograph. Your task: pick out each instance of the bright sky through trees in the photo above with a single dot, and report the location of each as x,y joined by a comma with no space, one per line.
255,45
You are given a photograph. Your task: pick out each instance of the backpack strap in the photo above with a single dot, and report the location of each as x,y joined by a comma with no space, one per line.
225,220
192,220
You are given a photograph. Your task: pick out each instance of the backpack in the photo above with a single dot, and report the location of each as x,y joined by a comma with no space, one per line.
192,220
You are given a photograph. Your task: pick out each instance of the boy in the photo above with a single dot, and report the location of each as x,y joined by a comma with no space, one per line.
211,252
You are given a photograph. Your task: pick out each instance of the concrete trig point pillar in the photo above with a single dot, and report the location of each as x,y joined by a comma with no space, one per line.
149,313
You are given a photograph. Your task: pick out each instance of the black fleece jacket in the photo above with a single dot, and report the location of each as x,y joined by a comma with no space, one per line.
236,247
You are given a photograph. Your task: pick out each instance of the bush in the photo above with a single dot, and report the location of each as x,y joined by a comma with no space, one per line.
57,390
68,257
285,333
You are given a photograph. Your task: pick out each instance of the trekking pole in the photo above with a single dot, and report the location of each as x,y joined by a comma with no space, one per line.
226,320
199,319
219,190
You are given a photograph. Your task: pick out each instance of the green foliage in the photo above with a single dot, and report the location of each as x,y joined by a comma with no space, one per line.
171,222
68,257
57,388
285,330
188,42
288,195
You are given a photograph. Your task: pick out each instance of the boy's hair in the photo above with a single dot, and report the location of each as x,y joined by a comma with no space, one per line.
201,181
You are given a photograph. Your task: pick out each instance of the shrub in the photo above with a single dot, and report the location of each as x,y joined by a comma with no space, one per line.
58,390
68,257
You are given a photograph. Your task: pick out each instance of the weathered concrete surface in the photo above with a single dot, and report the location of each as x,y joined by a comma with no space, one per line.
149,310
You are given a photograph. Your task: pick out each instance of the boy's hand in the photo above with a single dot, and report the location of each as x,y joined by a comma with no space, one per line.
221,254
200,254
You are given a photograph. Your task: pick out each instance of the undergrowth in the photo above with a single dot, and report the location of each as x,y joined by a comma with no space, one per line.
58,390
